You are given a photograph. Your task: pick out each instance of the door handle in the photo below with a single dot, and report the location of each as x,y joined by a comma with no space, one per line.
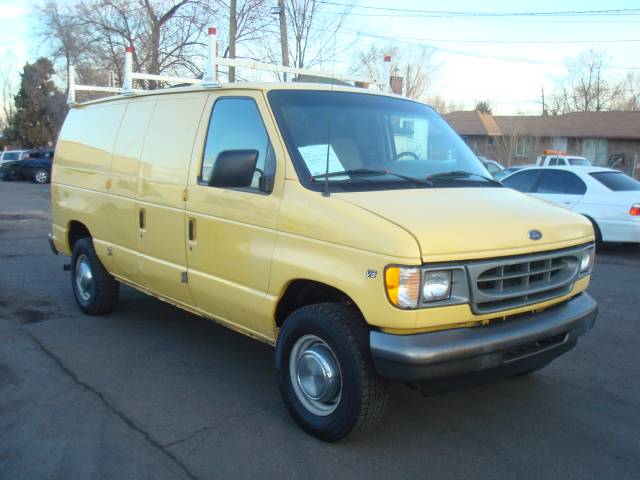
192,229
142,219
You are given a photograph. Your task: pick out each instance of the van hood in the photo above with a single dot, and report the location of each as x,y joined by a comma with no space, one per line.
472,223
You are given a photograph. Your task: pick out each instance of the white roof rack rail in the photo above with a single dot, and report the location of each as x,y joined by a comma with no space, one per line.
210,75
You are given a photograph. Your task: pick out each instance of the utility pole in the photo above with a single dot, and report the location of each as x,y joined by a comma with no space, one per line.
283,35
233,31
544,106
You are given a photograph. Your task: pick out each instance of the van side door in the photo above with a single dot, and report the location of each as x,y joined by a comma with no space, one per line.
161,193
231,222
122,211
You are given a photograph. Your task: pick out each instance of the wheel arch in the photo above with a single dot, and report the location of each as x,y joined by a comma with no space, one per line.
301,292
596,228
75,231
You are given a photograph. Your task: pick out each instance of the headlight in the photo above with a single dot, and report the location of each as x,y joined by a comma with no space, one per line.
588,257
436,285
415,287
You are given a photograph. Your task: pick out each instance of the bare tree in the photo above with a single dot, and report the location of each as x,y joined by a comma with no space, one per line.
416,66
443,105
586,87
8,87
506,144
169,36
629,98
312,31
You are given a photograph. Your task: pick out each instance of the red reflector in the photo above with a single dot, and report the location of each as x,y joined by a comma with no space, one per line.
129,49
212,31
635,210
387,58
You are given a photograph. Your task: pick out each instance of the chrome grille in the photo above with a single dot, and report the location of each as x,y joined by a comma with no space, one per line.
513,282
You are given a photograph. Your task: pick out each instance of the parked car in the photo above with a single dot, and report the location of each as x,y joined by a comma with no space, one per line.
35,166
353,230
492,166
553,158
508,171
608,198
11,156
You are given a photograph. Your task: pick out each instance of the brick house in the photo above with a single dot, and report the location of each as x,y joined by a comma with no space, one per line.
605,138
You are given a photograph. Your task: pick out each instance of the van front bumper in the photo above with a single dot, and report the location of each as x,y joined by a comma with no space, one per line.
473,355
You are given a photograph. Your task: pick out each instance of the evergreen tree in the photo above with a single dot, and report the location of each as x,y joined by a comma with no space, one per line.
40,108
483,107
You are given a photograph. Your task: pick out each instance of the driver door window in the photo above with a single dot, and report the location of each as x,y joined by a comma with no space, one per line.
236,124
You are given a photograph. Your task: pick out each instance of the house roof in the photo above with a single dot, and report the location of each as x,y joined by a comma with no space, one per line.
578,124
473,123
614,125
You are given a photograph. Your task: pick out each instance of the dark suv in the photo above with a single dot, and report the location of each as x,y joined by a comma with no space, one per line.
35,166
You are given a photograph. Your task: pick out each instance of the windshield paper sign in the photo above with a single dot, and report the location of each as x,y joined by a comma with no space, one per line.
315,156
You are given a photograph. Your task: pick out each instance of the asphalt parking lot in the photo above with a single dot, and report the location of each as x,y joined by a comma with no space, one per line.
153,392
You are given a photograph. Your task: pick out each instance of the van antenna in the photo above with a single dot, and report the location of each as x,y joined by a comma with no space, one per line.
326,192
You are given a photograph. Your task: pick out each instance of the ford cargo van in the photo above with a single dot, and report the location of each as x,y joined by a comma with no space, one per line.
352,230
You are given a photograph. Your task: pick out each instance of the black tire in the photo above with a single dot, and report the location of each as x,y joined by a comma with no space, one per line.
41,175
364,395
101,296
596,232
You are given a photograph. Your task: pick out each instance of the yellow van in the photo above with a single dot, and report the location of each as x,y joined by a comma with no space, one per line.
355,231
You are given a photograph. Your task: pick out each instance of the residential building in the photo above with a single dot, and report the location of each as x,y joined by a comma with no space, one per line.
605,138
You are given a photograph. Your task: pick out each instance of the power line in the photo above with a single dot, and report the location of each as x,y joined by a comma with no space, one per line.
484,41
451,40
453,13
481,55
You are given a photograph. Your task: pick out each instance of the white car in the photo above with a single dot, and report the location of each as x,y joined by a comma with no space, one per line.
11,155
609,198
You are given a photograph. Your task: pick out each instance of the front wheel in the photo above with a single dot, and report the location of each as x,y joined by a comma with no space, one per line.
95,290
325,372
41,175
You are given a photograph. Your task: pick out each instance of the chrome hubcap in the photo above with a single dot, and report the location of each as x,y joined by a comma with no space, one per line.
41,177
84,278
315,375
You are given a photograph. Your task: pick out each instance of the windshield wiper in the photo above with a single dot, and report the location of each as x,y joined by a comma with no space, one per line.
461,173
367,171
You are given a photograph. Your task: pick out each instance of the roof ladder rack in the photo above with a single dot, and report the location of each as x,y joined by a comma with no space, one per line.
209,79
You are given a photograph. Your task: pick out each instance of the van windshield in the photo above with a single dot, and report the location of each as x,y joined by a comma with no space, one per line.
357,141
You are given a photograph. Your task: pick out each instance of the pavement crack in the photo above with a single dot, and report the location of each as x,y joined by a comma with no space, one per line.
222,421
128,421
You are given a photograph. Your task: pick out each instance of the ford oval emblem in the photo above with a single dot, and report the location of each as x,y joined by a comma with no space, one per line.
535,234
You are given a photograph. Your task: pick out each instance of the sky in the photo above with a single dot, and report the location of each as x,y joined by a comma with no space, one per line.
466,47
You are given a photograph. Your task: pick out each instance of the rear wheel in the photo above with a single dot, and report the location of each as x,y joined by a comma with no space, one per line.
95,290
41,175
325,372
596,231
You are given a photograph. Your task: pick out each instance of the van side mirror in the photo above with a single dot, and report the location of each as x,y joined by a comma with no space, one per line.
234,169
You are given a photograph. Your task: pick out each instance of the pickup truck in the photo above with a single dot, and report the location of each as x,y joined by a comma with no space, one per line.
550,158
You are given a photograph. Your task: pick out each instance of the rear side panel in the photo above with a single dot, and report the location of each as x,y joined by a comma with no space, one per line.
81,170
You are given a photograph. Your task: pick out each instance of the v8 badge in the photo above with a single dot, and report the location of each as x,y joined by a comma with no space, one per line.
372,273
